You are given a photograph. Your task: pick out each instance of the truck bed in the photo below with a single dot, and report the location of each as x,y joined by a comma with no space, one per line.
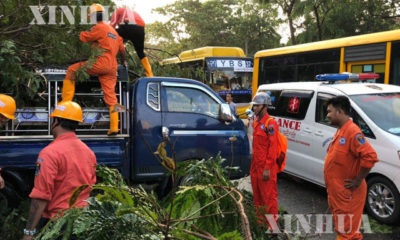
22,151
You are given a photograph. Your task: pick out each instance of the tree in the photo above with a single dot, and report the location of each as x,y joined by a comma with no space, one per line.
340,18
26,47
288,8
196,24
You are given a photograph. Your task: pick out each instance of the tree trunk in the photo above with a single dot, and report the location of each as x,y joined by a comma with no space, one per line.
318,23
292,37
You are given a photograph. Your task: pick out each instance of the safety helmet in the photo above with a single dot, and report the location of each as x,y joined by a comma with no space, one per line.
68,110
261,98
7,106
95,7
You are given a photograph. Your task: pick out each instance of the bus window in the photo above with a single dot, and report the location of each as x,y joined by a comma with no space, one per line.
371,68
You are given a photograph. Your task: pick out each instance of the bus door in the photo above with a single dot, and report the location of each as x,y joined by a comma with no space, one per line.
368,67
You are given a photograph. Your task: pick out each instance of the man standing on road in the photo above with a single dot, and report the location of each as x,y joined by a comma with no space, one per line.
350,158
232,105
263,168
130,26
104,38
7,111
62,166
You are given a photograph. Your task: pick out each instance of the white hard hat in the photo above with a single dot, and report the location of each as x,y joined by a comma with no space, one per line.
261,98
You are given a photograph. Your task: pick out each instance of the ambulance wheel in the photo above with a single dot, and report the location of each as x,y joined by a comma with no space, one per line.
383,200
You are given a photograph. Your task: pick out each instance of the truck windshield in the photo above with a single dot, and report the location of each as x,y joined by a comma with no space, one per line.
383,109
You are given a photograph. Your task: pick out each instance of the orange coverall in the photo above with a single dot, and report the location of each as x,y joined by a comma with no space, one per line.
265,143
105,66
347,153
63,165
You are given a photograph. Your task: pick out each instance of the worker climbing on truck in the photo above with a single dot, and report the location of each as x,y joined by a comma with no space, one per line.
130,26
7,111
106,39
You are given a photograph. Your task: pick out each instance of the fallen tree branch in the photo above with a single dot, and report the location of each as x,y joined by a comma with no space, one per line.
204,216
17,30
243,216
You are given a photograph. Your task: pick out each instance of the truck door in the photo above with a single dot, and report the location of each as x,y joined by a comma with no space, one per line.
190,116
147,131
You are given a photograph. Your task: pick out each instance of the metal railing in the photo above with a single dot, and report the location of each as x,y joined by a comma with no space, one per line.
34,120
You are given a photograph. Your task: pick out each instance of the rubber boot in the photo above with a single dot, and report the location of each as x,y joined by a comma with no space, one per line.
147,67
113,122
68,90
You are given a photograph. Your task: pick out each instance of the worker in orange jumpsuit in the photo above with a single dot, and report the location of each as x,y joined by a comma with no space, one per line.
130,26
105,66
7,111
263,169
350,158
61,167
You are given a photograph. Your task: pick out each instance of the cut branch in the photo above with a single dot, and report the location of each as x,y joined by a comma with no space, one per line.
17,30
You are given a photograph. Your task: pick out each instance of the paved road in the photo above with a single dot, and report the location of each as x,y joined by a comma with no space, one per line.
300,197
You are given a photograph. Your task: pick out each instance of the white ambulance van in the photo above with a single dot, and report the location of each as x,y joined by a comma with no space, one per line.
299,108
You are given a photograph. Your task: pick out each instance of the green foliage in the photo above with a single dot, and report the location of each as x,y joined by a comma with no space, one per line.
26,47
197,23
121,212
81,74
174,70
15,78
13,221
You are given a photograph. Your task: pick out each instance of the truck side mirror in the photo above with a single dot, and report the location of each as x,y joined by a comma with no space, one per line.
225,113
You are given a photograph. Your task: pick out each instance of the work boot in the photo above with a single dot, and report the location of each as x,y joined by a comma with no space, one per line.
114,115
68,90
147,67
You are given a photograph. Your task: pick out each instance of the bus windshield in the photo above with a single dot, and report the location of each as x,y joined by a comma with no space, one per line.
376,104
232,75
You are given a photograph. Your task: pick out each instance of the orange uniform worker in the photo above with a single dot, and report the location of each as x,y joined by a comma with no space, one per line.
105,66
7,111
263,169
130,26
350,158
62,166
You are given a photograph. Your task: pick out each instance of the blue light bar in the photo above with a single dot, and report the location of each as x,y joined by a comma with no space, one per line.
333,77
346,76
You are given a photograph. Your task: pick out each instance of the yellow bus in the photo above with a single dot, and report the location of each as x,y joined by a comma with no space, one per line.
227,69
368,53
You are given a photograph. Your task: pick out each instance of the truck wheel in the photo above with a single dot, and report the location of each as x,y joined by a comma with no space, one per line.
165,187
383,200
9,197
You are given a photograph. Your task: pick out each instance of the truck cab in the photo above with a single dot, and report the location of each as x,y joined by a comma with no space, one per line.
190,113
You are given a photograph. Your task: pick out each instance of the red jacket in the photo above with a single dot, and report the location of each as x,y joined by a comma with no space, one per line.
124,15
265,144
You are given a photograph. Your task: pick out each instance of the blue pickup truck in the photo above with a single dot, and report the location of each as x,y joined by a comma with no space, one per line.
187,111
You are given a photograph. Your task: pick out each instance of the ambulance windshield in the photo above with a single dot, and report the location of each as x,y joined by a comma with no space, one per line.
383,109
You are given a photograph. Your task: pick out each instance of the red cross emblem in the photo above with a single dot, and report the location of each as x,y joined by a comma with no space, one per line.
294,104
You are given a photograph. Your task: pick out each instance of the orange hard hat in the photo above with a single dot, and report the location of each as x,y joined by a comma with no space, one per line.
68,110
95,7
7,106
